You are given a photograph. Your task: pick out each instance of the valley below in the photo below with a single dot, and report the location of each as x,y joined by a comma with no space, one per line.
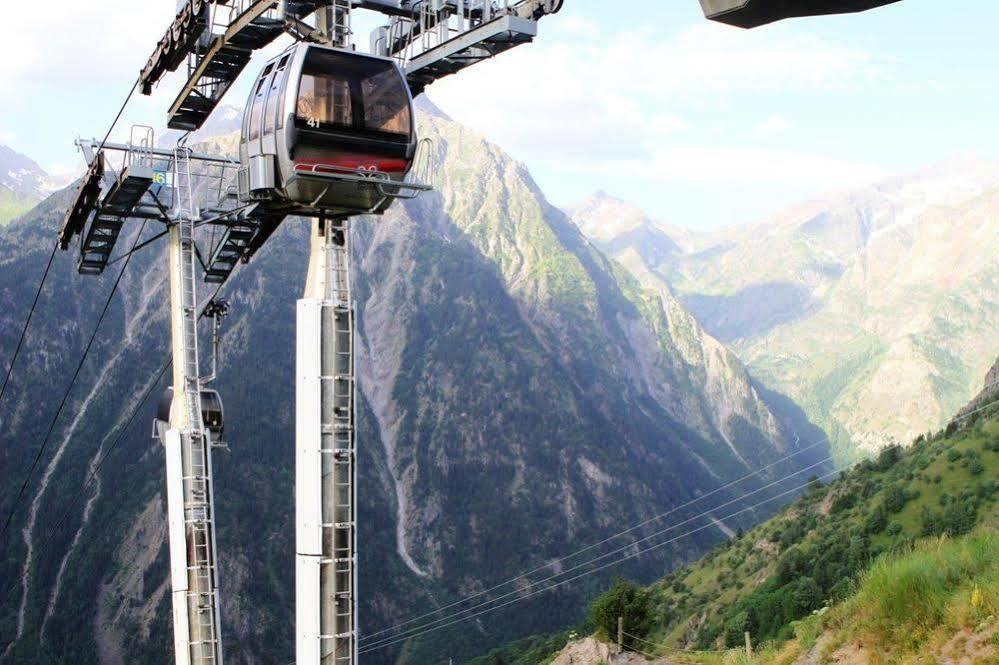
532,383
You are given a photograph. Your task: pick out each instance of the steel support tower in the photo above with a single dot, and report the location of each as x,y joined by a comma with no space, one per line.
326,456
326,628
188,449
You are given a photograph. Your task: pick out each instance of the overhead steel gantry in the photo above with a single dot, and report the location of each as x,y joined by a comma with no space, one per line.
433,38
186,191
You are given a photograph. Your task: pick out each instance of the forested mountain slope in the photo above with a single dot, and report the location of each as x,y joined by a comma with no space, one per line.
520,394
896,561
875,310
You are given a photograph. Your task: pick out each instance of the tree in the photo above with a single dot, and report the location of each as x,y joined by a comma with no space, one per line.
895,499
888,457
626,600
735,629
876,521
806,596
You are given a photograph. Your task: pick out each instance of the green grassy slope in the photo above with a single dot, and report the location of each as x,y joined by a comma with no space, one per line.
12,206
814,551
881,556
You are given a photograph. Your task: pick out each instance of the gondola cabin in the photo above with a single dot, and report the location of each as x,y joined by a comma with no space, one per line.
212,413
327,131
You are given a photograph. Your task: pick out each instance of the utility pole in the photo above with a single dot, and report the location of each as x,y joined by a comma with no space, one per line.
187,445
749,645
325,456
620,632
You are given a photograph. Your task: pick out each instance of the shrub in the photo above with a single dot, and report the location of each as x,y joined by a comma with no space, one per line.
735,629
876,521
889,457
895,499
806,596
626,600
843,502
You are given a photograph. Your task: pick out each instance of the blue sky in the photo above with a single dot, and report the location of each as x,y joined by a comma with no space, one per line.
700,124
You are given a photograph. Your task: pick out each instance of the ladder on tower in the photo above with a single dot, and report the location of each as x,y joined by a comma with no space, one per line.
202,594
338,385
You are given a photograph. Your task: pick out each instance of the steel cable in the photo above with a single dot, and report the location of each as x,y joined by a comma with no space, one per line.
571,555
595,570
413,632
69,389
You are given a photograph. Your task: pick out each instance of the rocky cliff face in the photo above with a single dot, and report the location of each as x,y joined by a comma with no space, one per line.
874,310
521,396
988,394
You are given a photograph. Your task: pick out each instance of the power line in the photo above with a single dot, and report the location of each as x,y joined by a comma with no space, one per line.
595,545
69,389
706,513
117,117
48,265
590,572
137,406
24,328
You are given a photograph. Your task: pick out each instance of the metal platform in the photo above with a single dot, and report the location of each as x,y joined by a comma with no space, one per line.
470,47
214,67
243,236
128,189
182,36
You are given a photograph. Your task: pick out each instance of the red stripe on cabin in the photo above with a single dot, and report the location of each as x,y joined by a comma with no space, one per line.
353,163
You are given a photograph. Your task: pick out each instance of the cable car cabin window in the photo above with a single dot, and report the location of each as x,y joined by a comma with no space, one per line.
365,96
386,104
284,87
324,100
270,115
258,103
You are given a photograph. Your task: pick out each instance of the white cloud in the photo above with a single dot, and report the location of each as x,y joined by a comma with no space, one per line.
666,109
78,42
574,25
720,165
772,126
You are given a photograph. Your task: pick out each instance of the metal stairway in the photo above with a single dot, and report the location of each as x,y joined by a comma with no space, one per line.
99,243
253,25
242,238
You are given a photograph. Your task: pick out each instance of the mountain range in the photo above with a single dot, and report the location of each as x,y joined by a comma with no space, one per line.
23,183
521,394
875,310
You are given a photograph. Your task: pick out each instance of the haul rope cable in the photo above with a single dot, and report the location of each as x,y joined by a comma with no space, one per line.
48,265
620,549
595,545
155,379
406,634
595,570
69,388
24,328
